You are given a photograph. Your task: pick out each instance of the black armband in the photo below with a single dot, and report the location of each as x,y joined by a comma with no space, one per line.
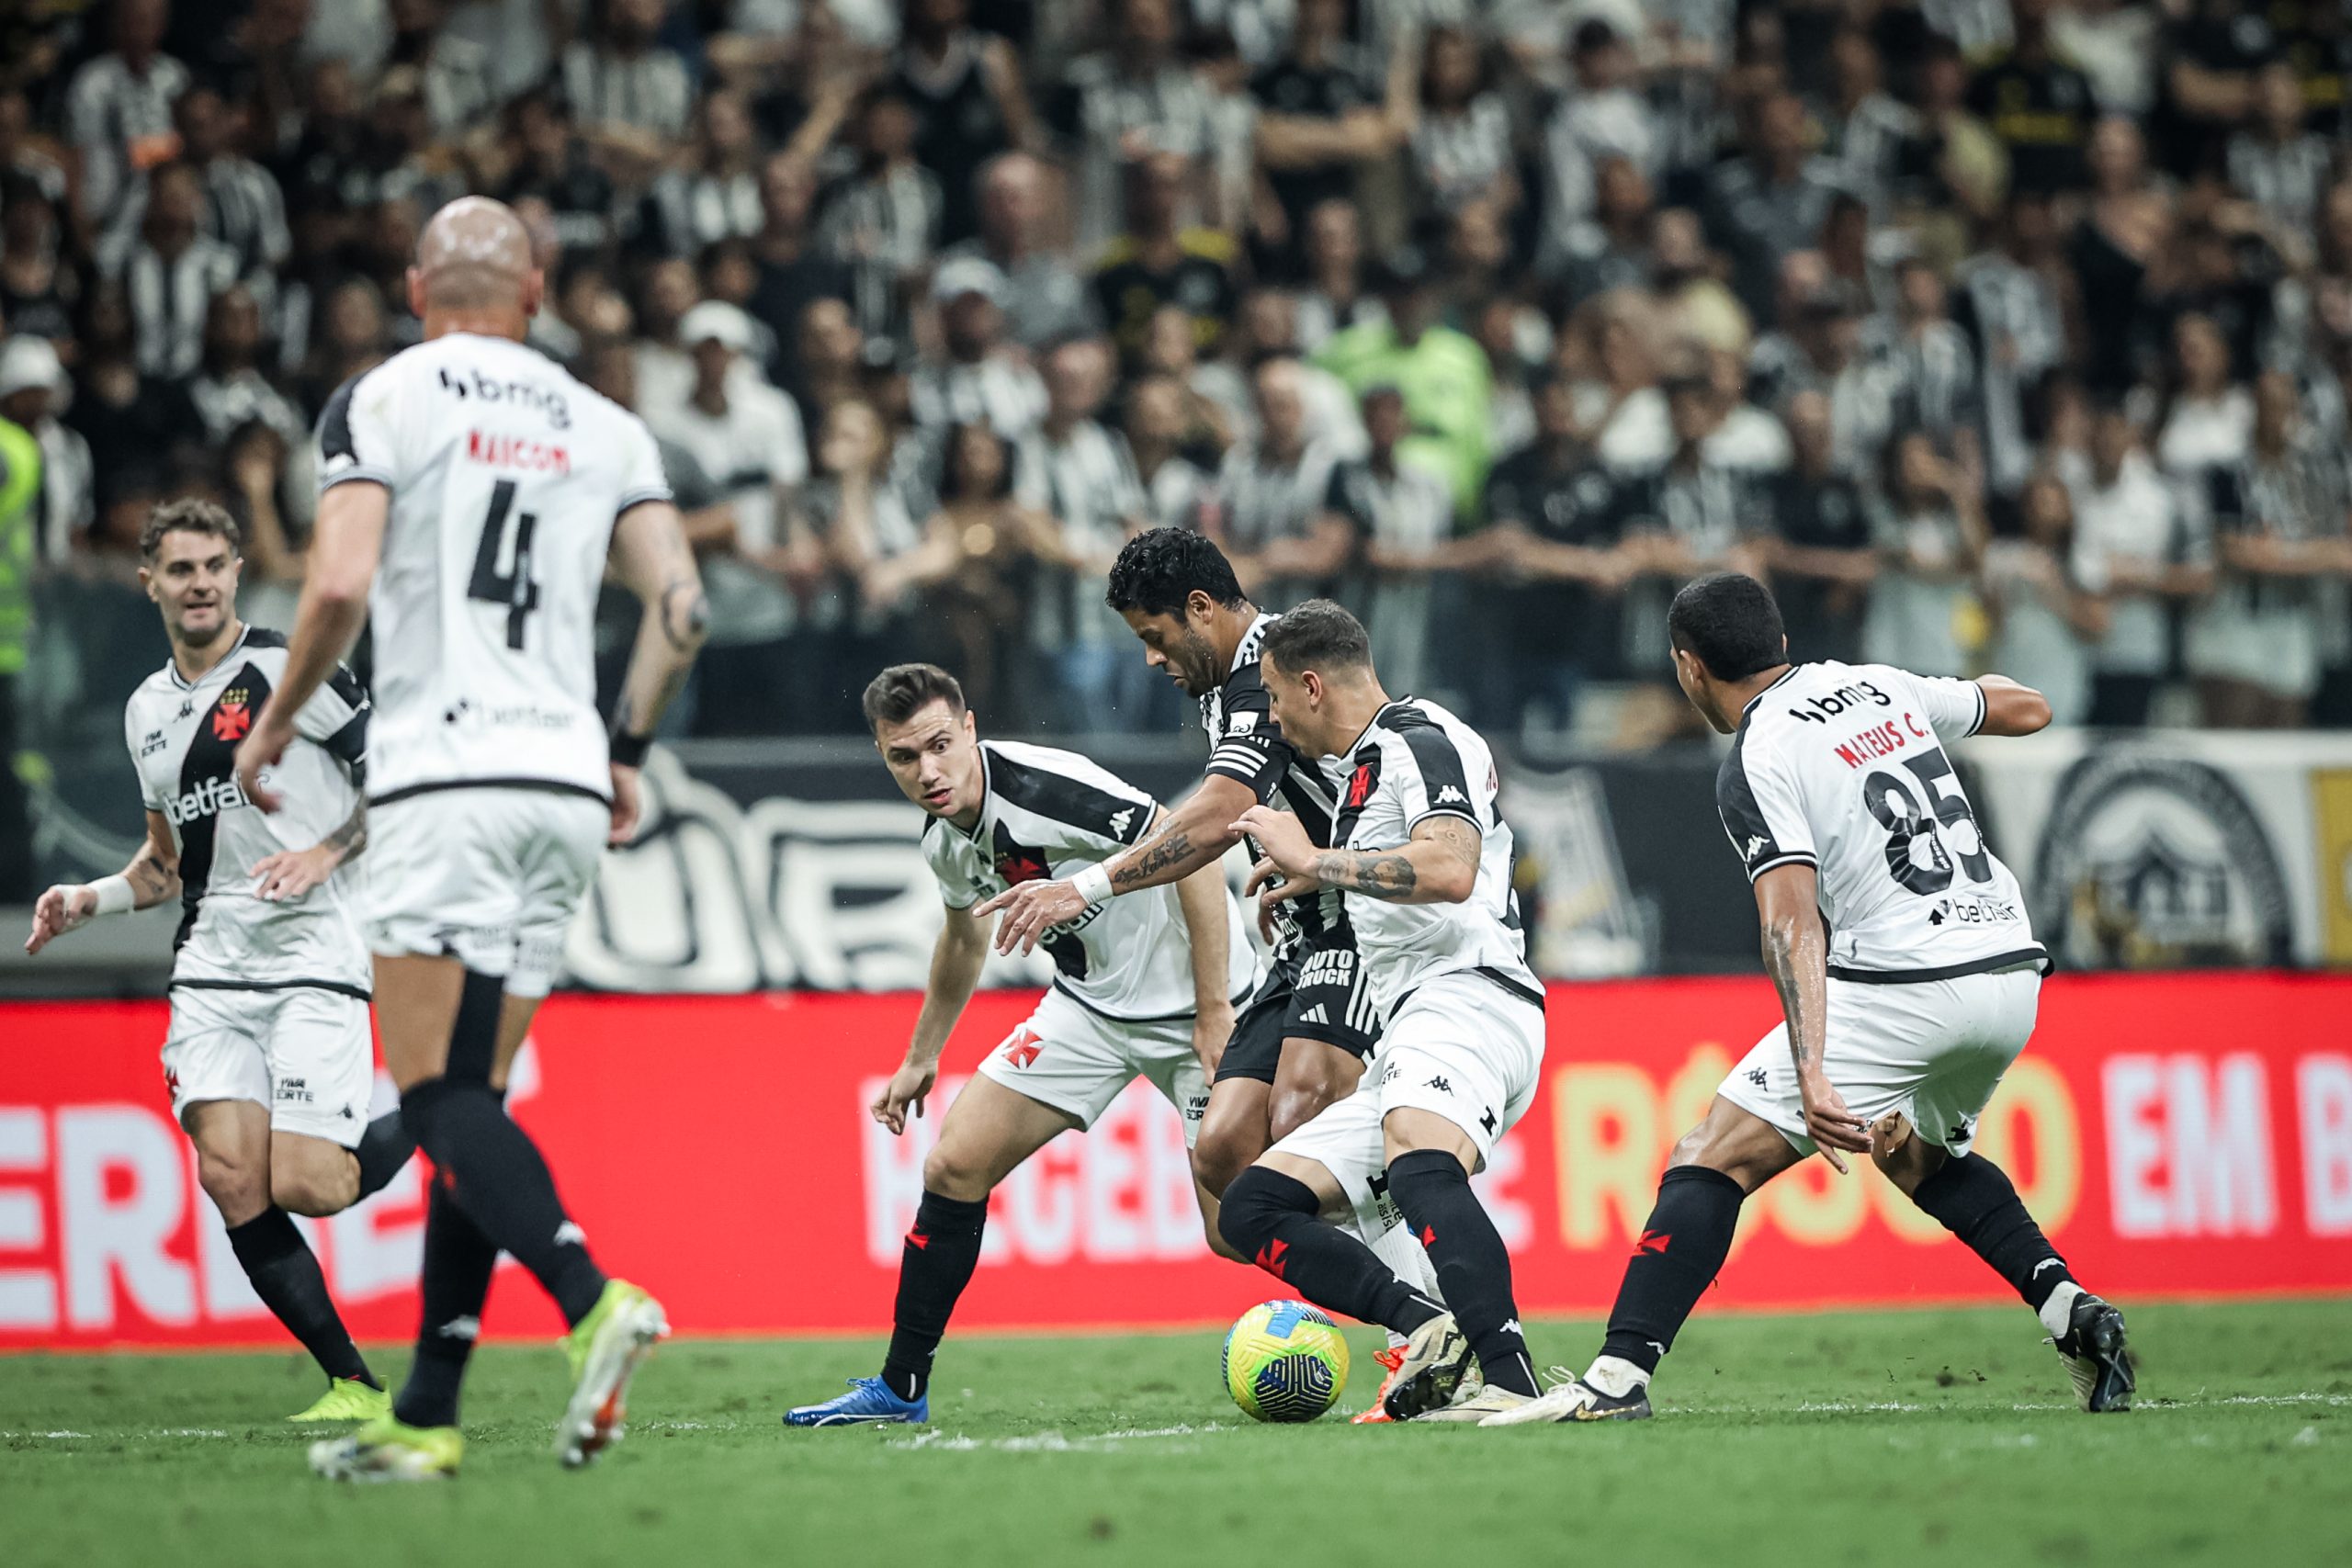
628,751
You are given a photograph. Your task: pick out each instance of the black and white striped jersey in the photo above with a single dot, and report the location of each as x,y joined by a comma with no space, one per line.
1416,761
183,738
1842,767
1246,744
1046,813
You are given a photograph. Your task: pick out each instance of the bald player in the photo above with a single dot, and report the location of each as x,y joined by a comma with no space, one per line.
472,496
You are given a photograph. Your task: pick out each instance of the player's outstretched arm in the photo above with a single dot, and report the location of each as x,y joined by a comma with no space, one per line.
1195,834
651,559
1200,898
153,878
2011,708
955,961
1796,955
346,543
1438,866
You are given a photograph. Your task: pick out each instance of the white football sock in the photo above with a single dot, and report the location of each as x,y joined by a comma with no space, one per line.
1399,1248
2058,1312
1615,1376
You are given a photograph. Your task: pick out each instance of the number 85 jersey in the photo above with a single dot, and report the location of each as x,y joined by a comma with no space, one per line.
506,475
1842,767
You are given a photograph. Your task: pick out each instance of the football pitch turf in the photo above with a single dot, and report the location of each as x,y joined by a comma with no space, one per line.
1885,1437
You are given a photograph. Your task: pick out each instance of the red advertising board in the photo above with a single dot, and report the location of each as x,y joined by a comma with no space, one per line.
2179,1135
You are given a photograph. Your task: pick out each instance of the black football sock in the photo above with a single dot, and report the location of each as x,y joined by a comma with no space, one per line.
934,1265
1473,1265
495,1172
459,1263
383,1148
1972,1198
1270,1219
1682,1250
285,1276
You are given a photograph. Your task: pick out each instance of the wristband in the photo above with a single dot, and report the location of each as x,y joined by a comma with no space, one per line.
1094,884
115,896
628,751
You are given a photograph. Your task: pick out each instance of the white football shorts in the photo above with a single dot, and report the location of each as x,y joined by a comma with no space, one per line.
1461,1046
1076,1060
1934,1050
304,1051
493,877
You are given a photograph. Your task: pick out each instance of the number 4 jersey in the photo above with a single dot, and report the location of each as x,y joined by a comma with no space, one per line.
1842,767
506,475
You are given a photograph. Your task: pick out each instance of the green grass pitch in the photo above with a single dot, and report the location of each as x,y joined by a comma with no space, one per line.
1881,1438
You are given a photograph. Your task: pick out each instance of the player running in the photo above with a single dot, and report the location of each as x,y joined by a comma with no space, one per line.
1905,967
1144,987
268,1056
1300,1043
491,490
1423,860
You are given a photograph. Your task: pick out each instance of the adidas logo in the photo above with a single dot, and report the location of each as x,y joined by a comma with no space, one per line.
1314,1015
1450,793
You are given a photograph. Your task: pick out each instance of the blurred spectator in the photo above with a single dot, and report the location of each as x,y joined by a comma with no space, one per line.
2045,622
1270,514
1870,127
1402,519
241,206
456,73
747,437
1552,535
1077,473
1045,299
979,381
1128,103
1159,261
133,422
979,549
1323,109
551,164
1823,556
863,607
792,271
2208,419
1175,486
2282,561
965,89
1693,515
1766,203
1442,373
60,505
830,361
38,288
1603,117
171,273
2137,544
1936,367
882,223
2275,162
629,91
716,195
1611,247
1337,296
1217,411
2013,302
2039,106
1931,536
118,109
1461,142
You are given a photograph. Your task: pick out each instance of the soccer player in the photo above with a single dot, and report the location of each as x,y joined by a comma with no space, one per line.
1908,974
491,490
1422,861
1144,986
268,1056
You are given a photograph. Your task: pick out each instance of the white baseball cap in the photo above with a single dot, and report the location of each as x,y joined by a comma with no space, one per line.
25,362
716,320
967,275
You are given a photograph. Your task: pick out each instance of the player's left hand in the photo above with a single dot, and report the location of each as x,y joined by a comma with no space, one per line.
1030,910
628,804
1281,836
284,877
261,748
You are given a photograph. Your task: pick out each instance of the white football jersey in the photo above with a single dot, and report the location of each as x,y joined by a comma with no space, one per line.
182,740
1046,814
1416,761
506,475
1842,767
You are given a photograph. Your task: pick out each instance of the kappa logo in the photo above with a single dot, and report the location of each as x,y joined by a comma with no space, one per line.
1120,820
1755,847
1440,1084
568,1233
1450,794
186,708
1758,1077
467,1329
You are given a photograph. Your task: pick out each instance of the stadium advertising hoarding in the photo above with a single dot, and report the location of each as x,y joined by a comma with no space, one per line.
2180,1135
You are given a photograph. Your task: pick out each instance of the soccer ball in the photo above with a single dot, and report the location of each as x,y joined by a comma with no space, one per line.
1284,1361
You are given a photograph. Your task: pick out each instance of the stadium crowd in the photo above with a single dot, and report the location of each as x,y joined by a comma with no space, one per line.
2002,334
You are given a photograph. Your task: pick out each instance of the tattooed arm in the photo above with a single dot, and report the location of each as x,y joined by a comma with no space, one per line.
1193,835
651,558
1796,956
1438,866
